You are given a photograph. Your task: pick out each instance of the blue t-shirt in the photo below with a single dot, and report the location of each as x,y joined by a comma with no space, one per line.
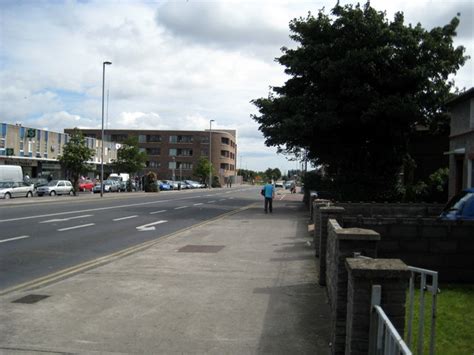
268,190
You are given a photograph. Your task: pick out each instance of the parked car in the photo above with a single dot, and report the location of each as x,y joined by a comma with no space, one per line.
193,184
460,206
163,186
279,184
55,187
109,186
86,185
173,184
9,189
288,184
37,182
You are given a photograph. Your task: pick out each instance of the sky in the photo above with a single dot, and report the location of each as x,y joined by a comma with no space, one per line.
175,64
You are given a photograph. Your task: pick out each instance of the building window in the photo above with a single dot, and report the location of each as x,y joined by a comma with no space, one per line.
153,138
224,153
185,152
225,166
184,166
172,152
204,152
205,139
119,138
181,139
153,151
225,140
153,164
141,138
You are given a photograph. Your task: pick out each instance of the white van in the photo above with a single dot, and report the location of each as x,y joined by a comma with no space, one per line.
11,173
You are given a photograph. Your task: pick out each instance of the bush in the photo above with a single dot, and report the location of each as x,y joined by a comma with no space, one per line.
150,182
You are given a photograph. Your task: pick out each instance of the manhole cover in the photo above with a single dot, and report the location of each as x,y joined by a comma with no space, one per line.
201,248
29,299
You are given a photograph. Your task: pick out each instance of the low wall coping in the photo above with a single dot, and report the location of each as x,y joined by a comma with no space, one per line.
356,234
331,209
377,268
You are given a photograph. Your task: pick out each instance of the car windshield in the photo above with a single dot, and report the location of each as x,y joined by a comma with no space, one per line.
458,201
53,183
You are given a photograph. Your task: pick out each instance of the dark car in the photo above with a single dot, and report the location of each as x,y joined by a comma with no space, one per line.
460,206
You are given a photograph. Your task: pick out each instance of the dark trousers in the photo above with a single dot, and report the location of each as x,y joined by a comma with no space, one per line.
268,204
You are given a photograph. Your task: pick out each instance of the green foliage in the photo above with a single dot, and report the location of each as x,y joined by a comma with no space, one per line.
129,158
150,182
75,156
434,189
202,169
454,322
358,85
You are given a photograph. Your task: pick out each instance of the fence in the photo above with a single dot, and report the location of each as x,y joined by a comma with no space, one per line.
384,338
433,289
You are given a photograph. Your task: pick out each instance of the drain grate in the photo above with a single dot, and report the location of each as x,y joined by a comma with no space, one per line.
201,248
30,299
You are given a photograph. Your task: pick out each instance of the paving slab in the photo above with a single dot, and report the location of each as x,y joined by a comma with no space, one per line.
242,284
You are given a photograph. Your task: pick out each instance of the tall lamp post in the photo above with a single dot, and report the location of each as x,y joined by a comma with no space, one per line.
210,153
102,144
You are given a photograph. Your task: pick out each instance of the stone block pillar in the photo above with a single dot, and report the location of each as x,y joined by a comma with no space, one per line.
325,213
317,204
341,244
392,275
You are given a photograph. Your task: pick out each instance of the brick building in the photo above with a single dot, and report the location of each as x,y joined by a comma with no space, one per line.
178,152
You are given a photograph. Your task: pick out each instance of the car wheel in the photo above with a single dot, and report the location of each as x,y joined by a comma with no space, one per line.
29,194
52,193
71,193
7,196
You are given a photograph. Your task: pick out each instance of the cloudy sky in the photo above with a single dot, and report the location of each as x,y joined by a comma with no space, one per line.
176,64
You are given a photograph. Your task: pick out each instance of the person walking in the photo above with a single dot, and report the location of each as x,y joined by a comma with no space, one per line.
268,192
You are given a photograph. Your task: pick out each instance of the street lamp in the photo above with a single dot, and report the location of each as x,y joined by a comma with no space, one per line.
174,167
210,153
102,145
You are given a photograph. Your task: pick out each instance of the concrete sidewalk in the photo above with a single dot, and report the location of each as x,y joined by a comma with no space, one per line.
242,284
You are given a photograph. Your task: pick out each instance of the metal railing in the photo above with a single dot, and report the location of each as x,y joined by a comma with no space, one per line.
424,275
384,338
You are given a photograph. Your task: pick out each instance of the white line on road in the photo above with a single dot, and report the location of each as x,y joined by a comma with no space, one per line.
155,212
15,238
222,199
179,208
65,219
122,218
198,204
208,195
211,201
149,226
76,227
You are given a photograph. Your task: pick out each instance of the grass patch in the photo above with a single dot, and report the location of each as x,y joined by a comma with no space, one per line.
454,323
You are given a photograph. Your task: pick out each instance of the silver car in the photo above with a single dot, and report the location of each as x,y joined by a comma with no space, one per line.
9,189
55,187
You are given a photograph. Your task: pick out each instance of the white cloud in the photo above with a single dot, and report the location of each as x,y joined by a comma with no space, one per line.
176,64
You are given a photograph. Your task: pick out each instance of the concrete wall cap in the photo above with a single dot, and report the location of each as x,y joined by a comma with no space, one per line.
332,209
375,268
356,234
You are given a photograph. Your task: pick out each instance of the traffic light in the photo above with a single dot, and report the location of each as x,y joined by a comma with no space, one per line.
31,133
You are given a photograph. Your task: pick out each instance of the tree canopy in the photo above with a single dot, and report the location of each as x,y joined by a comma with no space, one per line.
75,156
202,169
359,85
130,159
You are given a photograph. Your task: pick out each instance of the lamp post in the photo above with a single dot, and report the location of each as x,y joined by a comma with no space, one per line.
174,167
102,139
210,153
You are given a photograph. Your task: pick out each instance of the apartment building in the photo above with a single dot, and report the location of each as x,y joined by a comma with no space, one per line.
176,153
37,150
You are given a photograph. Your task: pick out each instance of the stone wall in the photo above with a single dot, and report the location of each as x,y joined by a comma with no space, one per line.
392,209
443,246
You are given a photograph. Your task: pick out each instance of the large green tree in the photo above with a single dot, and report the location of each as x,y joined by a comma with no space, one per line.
202,169
359,85
130,159
75,156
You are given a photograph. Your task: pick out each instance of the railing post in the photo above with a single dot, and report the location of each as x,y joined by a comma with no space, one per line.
374,324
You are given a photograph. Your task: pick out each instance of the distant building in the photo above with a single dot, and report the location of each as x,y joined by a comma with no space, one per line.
37,150
176,153
461,142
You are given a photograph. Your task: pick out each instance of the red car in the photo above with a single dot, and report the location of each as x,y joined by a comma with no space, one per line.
86,185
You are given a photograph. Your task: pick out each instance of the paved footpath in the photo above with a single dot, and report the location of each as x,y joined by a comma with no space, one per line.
242,284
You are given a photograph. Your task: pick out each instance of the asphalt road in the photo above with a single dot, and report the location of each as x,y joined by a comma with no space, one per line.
42,236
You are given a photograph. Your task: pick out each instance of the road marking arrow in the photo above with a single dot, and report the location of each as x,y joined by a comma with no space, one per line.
149,226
